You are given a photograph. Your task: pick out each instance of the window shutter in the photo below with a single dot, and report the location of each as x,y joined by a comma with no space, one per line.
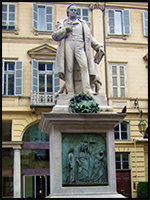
49,18
35,16
34,76
111,21
4,14
18,78
12,15
3,76
145,22
56,83
126,22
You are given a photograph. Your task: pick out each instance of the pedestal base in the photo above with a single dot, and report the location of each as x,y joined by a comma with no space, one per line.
113,195
84,141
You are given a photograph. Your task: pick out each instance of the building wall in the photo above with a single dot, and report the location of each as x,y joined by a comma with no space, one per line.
123,49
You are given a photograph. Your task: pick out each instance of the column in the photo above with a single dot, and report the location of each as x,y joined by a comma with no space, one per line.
17,174
97,24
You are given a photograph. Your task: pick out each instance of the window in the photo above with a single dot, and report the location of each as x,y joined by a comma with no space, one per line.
34,134
145,22
7,173
122,160
6,131
118,22
42,17
118,80
8,16
122,131
83,13
11,77
43,78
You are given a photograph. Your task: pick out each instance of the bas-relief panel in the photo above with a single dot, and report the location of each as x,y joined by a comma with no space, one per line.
84,159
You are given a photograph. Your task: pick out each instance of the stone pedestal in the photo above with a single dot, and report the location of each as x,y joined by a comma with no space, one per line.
59,124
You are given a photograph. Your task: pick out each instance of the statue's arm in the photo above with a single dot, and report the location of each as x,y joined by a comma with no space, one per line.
61,32
97,46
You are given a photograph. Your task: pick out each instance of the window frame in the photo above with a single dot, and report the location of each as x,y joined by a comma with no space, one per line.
120,132
16,77
121,160
125,23
145,29
47,72
118,76
81,11
45,21
8,21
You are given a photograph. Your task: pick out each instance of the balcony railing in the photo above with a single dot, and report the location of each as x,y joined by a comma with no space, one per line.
42,99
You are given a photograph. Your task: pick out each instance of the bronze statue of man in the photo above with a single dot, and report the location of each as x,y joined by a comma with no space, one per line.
75,50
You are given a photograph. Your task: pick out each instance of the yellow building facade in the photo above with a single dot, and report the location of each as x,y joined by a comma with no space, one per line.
29,83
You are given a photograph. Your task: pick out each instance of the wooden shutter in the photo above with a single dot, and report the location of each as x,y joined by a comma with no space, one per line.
56,83
34,76
4,14
122,81
145,22
118,80
126,22
12,15
3,67
111,21
18,78
49,18
35,16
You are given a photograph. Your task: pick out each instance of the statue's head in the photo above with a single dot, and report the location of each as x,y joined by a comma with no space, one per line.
72,10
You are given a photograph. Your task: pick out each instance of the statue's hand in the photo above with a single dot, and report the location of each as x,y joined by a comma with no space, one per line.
68,29
101,50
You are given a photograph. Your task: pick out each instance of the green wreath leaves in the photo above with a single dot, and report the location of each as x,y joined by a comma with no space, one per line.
83,103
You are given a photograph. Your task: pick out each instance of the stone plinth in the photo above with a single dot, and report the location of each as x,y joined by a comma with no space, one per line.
58,123
63,103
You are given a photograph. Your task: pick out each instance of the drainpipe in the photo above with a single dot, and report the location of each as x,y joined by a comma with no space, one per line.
106,81
135,159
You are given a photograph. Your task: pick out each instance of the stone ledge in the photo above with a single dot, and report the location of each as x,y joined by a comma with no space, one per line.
109,195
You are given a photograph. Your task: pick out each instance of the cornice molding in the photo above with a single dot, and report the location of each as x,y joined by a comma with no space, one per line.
96,6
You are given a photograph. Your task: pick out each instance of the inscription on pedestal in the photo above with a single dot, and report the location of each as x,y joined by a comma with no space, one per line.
84,159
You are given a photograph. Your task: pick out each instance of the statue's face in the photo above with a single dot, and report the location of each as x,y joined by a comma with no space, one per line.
72,12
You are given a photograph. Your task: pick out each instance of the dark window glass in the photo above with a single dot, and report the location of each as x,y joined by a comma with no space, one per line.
34,159
34,134
50,66
41,66
6,131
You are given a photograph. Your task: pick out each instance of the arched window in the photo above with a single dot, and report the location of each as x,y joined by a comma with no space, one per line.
121,131
35,163
34,134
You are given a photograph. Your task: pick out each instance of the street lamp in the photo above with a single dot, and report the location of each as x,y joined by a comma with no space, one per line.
142,125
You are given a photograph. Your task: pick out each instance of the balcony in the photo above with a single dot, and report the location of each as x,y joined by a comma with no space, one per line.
42,99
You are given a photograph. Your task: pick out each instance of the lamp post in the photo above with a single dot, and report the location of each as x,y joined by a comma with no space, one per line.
142,125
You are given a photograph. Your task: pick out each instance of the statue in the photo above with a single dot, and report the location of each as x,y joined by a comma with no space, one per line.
98,168
71,161
74,55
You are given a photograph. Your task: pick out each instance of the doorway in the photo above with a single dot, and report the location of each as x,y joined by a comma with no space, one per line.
123,182
36,186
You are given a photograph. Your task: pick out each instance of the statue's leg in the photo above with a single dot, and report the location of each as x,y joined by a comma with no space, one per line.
82,61
69,66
